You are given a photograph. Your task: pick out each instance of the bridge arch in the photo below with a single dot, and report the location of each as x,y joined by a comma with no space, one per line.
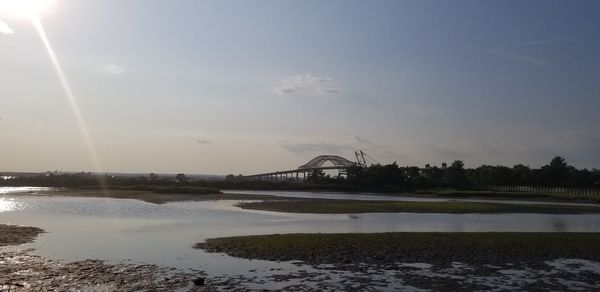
318,161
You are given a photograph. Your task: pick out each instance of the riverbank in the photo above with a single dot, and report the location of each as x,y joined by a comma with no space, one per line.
407,247
146,196
328,206
435,261
16,235
550,197
21,270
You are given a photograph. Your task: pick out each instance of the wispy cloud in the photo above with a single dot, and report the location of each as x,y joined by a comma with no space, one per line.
306,83
317,148
4,28
203,142
511,51
112,69
539,42
517,57
376,150
363,141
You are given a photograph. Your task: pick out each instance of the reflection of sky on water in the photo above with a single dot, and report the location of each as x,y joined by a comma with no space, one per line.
7,190
118,229
7,205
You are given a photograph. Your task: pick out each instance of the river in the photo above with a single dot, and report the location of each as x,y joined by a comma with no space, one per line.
125,229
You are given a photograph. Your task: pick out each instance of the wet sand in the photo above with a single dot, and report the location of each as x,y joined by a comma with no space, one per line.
15,235
432,261
21,270
392,247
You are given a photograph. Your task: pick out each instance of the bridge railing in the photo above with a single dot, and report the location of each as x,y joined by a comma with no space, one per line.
551,190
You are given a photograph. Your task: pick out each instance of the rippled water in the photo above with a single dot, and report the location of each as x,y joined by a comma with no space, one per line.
7,190
118,229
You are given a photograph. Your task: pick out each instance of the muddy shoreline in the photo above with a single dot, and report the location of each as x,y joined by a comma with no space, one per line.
16,235
389,248
146,196
21,270
330,206
436,261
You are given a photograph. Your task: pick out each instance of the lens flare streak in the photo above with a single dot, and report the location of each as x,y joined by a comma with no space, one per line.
69,93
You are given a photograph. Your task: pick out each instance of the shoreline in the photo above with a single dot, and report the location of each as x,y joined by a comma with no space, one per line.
392,247
20,269
145,196
434,261
331,206
283,204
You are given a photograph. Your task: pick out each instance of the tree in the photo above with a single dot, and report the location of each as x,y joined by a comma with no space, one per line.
455,175
316,176
522,175
181,178
556,173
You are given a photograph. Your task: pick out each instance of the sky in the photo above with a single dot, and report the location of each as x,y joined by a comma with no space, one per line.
242,87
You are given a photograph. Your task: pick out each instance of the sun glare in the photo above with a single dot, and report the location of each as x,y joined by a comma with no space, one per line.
25,8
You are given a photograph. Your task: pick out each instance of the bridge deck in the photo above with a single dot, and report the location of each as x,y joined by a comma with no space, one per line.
299,170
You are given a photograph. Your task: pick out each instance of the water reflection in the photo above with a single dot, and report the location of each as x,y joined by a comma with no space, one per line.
8,190
559,225
116,229
7,204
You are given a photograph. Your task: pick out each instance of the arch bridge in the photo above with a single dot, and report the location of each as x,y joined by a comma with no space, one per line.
339,163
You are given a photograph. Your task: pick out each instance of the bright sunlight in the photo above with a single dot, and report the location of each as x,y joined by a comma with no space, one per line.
25,8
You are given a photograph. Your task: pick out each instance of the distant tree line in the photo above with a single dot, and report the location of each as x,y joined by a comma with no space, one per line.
377,177
558,173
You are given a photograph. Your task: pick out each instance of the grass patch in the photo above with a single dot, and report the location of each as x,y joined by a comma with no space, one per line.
152,197
356,206
409,247
511,195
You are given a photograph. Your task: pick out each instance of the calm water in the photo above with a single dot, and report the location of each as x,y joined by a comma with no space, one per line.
119,229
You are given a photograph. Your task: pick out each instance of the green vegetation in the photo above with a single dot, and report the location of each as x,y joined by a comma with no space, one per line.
88,181
556,174
389,178
356,206
410,247
150,197
511,195
190,190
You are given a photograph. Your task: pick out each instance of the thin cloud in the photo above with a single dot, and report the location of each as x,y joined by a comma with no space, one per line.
540,42
4,28
307,84
360,140
508,51
517,57
317,148
112,69
203,142
378,151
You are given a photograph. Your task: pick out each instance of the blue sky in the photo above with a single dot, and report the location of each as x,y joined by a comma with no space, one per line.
249,86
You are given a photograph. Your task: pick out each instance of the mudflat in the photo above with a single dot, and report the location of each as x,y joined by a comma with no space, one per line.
20,270
16,235
327,206
408,247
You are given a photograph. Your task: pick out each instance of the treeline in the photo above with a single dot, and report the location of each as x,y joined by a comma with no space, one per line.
558,173
178,184
379,178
